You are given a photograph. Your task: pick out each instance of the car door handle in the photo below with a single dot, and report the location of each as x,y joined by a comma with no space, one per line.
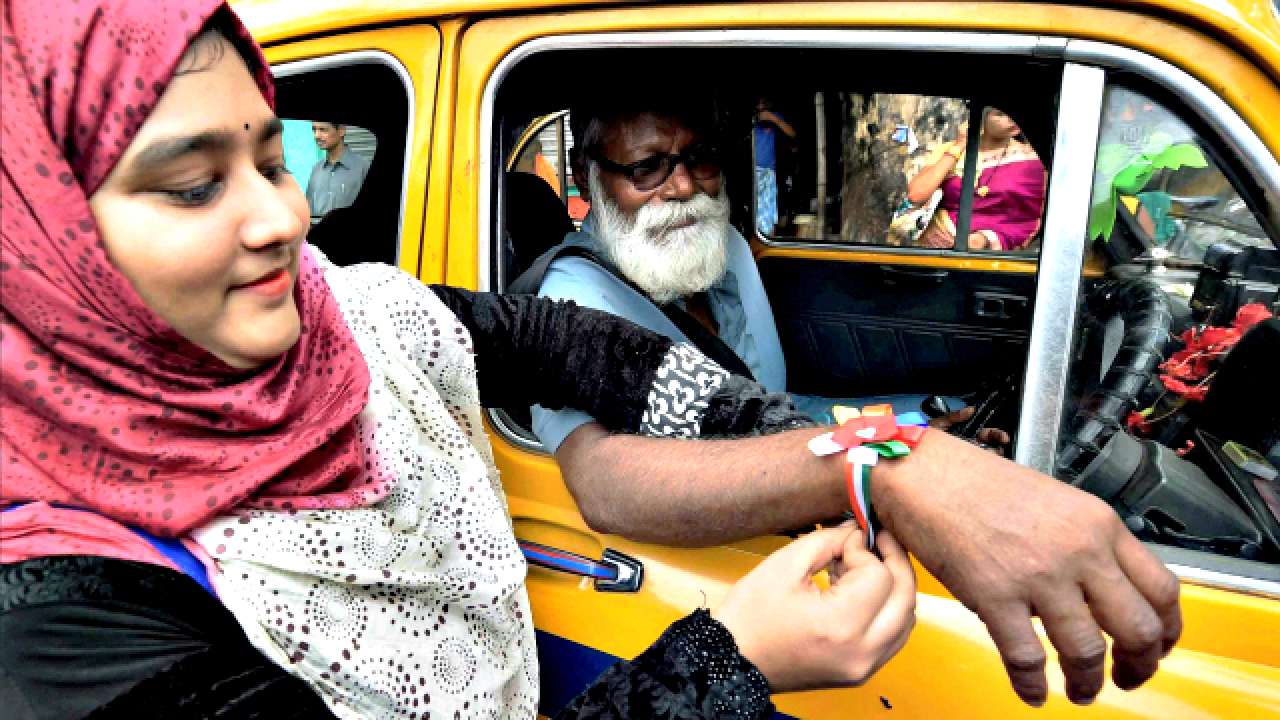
613,572
892,275
998,305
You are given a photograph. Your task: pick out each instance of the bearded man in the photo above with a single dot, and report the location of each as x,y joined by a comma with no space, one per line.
1005,540
664,254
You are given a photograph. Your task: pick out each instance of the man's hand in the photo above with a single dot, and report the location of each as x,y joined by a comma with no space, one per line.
802,636
1010,543
991,437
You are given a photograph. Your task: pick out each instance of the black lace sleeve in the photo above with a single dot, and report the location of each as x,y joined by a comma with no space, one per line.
535,351
532,350
692,672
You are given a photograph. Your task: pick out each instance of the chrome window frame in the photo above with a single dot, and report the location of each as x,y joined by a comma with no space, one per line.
368,57
1049,346
1061,261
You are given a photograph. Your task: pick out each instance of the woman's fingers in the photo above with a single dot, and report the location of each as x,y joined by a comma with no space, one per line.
835,568
899,607
896,559
898,642
809,554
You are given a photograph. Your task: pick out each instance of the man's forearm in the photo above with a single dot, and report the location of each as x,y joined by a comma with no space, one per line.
700,492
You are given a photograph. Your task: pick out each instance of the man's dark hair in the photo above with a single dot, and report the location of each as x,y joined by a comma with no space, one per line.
589,118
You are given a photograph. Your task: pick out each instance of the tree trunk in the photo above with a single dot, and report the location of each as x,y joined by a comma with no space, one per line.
877,166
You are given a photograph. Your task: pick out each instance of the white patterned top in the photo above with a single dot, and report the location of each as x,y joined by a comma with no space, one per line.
416,604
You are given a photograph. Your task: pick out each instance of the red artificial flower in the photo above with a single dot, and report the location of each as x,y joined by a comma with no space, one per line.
1251,315
1137,423
1187,372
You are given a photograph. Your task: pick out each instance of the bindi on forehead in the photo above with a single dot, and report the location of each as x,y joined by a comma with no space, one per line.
246,127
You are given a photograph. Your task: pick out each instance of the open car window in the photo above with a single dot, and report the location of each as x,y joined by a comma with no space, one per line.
361,104
888,169
851,325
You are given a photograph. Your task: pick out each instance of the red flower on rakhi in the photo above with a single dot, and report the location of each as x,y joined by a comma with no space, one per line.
866,429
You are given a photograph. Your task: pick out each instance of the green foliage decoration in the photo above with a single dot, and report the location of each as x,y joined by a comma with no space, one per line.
1122,169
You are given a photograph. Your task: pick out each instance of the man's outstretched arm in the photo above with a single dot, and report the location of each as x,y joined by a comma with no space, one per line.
1007,541
695,493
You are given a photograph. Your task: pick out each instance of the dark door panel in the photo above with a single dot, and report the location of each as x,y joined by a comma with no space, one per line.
858,329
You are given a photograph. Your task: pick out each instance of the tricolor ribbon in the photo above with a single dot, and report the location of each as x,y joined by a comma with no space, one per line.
866,436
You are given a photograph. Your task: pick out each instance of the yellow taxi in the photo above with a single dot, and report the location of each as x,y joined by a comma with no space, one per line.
1158,126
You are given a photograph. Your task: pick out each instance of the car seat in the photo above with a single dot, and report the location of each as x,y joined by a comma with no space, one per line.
535,221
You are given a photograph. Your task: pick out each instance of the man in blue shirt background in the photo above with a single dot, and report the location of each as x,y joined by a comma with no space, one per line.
337,178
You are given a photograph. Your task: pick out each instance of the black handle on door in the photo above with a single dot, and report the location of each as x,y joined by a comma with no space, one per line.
999,306
892,275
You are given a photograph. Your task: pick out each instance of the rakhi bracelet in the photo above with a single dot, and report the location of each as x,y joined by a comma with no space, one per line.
864,437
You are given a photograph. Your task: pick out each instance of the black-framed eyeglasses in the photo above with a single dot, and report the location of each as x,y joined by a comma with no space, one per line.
702,161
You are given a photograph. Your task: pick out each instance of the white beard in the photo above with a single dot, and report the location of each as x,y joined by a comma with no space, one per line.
665,261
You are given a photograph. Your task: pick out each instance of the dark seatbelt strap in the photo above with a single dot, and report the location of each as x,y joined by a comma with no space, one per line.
530,281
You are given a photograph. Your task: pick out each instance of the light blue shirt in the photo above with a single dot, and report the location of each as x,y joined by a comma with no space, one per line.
336,184
738,303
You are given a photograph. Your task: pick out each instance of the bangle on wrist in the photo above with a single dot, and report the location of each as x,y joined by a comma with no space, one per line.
954,151
866,436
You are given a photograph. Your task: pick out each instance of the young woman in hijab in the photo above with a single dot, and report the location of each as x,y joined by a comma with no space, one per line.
192,397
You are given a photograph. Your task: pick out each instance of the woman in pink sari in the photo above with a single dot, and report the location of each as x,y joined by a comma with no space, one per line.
1008,196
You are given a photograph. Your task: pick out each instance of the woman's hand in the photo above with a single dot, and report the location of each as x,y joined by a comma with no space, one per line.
936,236
802,636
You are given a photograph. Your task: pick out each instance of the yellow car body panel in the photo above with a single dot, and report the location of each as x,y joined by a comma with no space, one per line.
1228,662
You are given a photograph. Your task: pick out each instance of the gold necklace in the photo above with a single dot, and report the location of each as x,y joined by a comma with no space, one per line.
985,188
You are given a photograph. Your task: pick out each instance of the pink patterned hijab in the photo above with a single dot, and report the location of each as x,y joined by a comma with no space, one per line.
102,405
